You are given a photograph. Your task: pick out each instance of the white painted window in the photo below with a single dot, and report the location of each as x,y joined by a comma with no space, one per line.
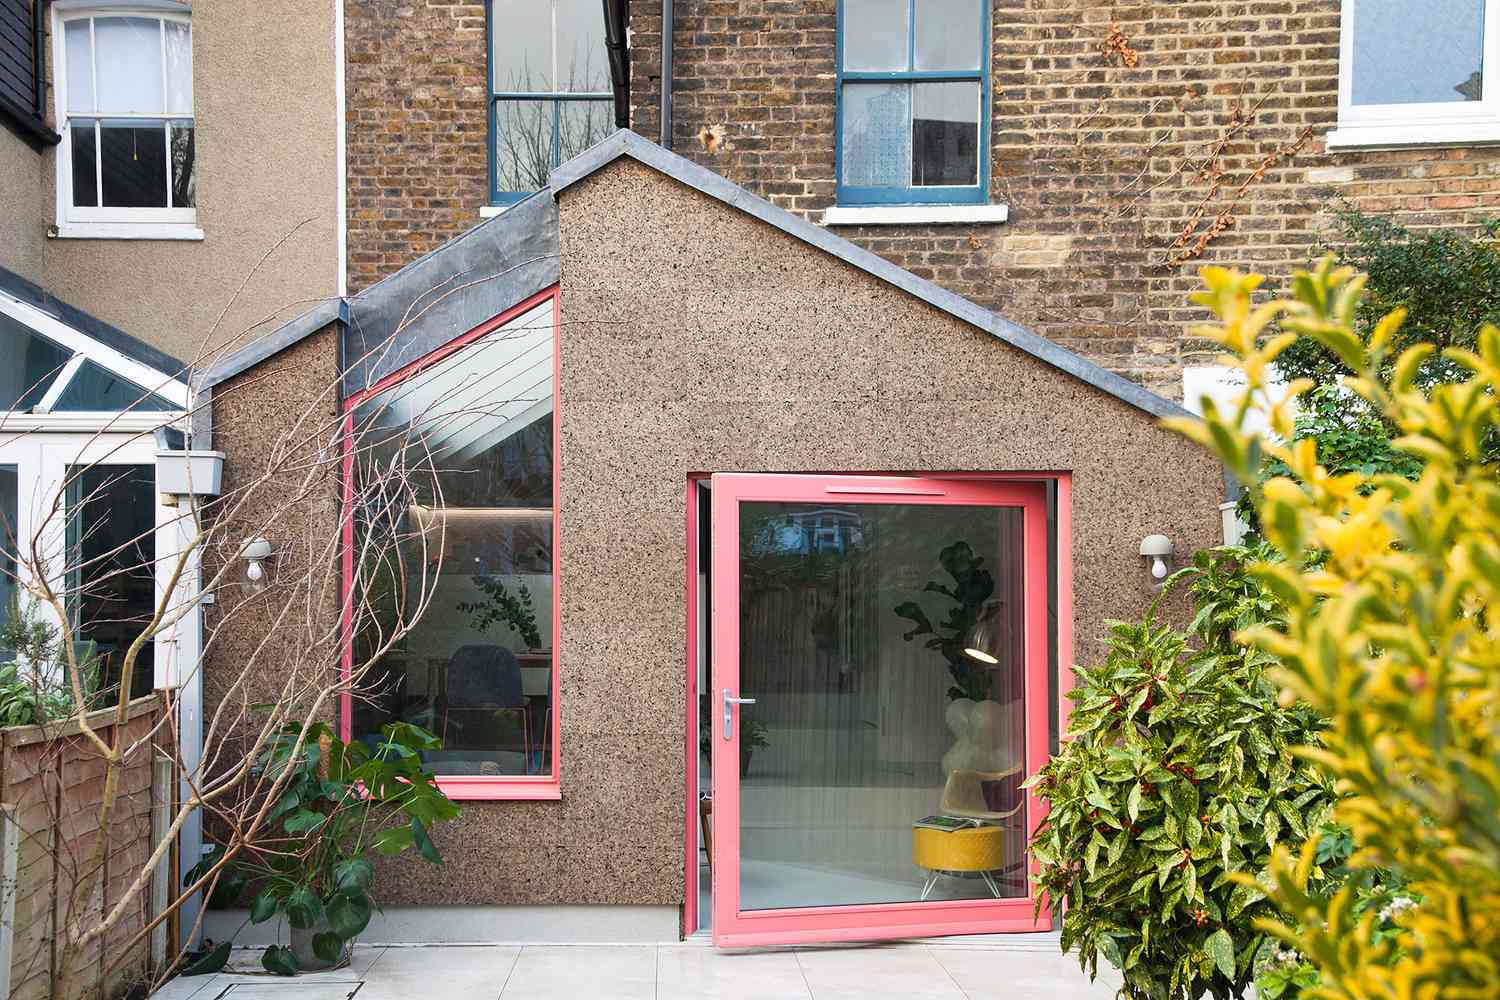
1413,74
124,91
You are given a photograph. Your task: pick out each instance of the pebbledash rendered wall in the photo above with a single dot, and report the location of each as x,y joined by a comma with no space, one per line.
697,338
1095,157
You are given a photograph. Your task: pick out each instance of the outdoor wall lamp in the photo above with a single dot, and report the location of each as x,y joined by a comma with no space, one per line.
1158,549
255,553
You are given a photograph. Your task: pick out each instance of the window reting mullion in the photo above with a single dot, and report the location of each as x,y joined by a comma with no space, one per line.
166,124
59,384
98,128
911,94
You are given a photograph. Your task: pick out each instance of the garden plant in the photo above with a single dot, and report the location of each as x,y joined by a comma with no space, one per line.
1389,586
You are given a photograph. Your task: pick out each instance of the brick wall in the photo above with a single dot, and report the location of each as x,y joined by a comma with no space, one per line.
1101,163
417,128
51,782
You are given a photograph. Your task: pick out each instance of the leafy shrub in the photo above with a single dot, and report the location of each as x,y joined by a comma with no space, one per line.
1390,588
1177,773
33,685
341,802
1447,280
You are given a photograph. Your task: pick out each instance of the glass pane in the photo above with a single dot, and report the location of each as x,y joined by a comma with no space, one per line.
875,34
862,727
581,61
475,434
184,165
128,58
30,364
9,497
521,39
85,167
876,139
949,35
95,388
583,124
179,47
1406,53
80,65
523,144
945,134
111,512
133,157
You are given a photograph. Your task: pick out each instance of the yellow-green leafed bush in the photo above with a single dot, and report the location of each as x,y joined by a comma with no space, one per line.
1392,590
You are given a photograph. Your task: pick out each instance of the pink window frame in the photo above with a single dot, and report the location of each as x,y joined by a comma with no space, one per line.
532,787
1063,590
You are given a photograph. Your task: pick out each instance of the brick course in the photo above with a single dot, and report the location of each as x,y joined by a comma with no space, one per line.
1102,164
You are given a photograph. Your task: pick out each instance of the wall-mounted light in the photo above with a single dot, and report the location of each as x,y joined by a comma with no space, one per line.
982,642
255,553
1157,549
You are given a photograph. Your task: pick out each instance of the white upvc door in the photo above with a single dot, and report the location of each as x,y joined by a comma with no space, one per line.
42,464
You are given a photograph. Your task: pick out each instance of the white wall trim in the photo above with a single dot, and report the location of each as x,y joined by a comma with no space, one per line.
456,925
490,211
126,231
915,215
340,140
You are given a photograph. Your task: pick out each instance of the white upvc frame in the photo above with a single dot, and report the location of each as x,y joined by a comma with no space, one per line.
84,347
1444,123
42,462
100,222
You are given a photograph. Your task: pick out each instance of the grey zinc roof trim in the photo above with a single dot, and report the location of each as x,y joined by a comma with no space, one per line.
627,143
273,343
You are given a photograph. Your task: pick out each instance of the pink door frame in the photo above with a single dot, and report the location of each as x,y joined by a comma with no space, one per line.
732,928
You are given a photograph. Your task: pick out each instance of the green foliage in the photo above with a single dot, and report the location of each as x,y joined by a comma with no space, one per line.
500,605
1390,587
340,802
33,685
1448,281
971,588
1176,774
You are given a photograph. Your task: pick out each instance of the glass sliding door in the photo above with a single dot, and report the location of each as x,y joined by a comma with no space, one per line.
878,697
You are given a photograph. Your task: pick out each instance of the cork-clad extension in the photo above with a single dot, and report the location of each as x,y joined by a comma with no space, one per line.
702,331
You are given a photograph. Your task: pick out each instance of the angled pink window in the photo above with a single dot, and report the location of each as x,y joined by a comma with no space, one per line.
473,425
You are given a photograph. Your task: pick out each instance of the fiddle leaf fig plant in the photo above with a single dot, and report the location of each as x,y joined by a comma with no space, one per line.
1177,773
343,803
971,588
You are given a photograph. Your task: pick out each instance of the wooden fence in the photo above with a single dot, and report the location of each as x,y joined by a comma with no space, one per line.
51,784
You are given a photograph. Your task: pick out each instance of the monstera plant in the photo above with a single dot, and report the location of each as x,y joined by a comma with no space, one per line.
341,804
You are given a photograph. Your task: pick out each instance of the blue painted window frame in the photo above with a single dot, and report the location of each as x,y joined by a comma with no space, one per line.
556,97
968,194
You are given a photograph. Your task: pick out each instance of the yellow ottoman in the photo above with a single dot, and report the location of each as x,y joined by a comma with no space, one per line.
978,849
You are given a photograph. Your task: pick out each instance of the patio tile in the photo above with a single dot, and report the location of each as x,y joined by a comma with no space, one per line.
876,971
695,973
993,974
477,971
550,971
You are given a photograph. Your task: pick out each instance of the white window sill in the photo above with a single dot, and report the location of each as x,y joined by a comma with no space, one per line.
125,231
490,211
915,215
1399,136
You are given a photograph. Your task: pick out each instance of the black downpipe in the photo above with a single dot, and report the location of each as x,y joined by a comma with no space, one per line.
668,23
619,58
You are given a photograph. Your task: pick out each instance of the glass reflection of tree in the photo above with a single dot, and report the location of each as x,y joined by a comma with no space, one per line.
533,135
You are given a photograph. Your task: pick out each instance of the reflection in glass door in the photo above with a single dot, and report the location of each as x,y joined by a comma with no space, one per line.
882,701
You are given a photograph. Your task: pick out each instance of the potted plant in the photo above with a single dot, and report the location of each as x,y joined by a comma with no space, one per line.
341,803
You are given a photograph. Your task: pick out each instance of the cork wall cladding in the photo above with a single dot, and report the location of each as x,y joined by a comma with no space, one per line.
699,337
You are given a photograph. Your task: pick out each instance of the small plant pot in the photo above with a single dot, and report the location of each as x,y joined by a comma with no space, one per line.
307,959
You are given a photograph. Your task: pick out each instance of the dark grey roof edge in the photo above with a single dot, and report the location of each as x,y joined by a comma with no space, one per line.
627,143
111,336
275,342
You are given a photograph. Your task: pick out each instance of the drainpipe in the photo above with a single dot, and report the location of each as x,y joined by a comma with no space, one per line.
616,45
668,23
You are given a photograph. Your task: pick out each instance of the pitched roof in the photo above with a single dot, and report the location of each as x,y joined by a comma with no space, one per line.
515,255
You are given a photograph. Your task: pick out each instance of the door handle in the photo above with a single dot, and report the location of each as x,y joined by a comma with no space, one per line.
729,702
